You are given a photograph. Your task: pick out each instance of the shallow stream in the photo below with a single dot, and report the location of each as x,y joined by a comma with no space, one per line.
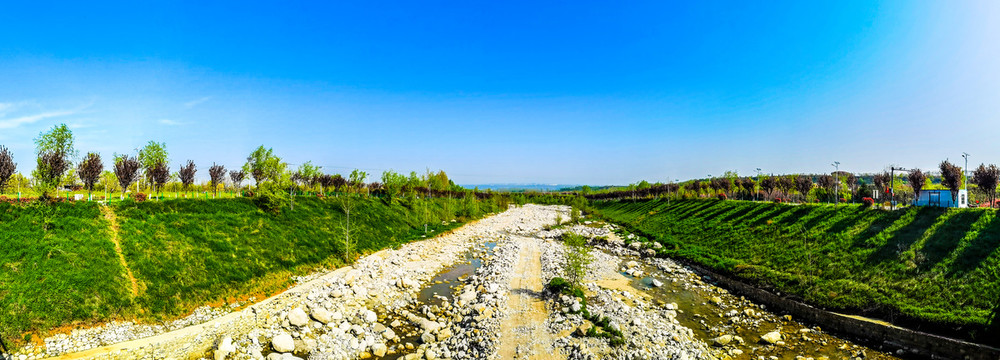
710,312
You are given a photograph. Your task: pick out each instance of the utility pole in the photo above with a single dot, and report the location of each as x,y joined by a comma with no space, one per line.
836,193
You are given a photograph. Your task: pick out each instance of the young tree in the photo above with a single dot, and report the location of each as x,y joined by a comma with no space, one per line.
127,171
803,184
186,174
786,184
218,174
768,184
158,175
747,184
7,167
151,156
263,165
883,182
58,141
951,178
986,178
852,183
90,171
357,179
347,204
49,171
578,257
394,183
829,183
236,176
339,182
917,180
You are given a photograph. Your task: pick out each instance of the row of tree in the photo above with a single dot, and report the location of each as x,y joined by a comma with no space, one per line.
833,187
56,155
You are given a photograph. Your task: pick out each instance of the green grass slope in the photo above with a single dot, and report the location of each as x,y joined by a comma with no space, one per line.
930,268
59,265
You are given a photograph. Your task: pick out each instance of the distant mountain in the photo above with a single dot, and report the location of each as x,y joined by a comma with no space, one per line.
521,187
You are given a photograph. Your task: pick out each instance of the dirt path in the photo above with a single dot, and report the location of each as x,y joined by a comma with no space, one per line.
523,334
109,215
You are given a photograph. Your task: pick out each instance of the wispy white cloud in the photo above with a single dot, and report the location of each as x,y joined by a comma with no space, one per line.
11,123
196,102
170,122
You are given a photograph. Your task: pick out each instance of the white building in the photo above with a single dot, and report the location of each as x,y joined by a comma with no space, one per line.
942,198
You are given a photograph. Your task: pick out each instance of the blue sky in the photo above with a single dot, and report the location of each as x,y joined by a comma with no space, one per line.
546,92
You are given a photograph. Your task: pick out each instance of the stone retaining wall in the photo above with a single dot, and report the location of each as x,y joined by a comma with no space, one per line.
890,337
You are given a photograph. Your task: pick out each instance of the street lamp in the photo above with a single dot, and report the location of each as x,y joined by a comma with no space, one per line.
757,185
836,194
965,171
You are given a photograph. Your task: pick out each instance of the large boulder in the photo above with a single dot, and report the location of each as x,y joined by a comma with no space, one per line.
771,337
298,317
283,343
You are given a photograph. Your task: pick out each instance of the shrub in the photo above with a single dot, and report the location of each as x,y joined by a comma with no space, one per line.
577,257
721,196
270,197
140,197
777,200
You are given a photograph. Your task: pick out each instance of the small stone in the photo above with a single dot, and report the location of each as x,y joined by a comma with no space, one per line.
575,307
716,300
723,340
657,283
427,337
430,354
584,328
670,306
379,349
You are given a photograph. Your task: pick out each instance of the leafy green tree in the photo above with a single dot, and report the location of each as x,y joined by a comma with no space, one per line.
394,183
357,180
58,141
578,257
55,156
90,171
307,172
263,165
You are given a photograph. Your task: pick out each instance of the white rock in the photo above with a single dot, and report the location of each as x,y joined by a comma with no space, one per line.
298,317
283,343
370,316
771,337
322,315
226,347
657,283
379,349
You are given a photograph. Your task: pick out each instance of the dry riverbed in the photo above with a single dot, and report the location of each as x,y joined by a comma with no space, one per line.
478,293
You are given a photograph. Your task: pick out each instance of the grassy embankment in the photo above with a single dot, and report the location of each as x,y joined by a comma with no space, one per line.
59,267
930,268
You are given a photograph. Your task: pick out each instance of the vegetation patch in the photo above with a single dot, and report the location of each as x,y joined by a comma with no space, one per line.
933,269
60,267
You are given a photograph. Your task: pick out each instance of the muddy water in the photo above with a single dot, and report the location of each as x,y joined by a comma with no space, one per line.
736,316
435,295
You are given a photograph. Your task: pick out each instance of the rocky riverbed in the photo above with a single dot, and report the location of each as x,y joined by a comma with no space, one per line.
478,293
